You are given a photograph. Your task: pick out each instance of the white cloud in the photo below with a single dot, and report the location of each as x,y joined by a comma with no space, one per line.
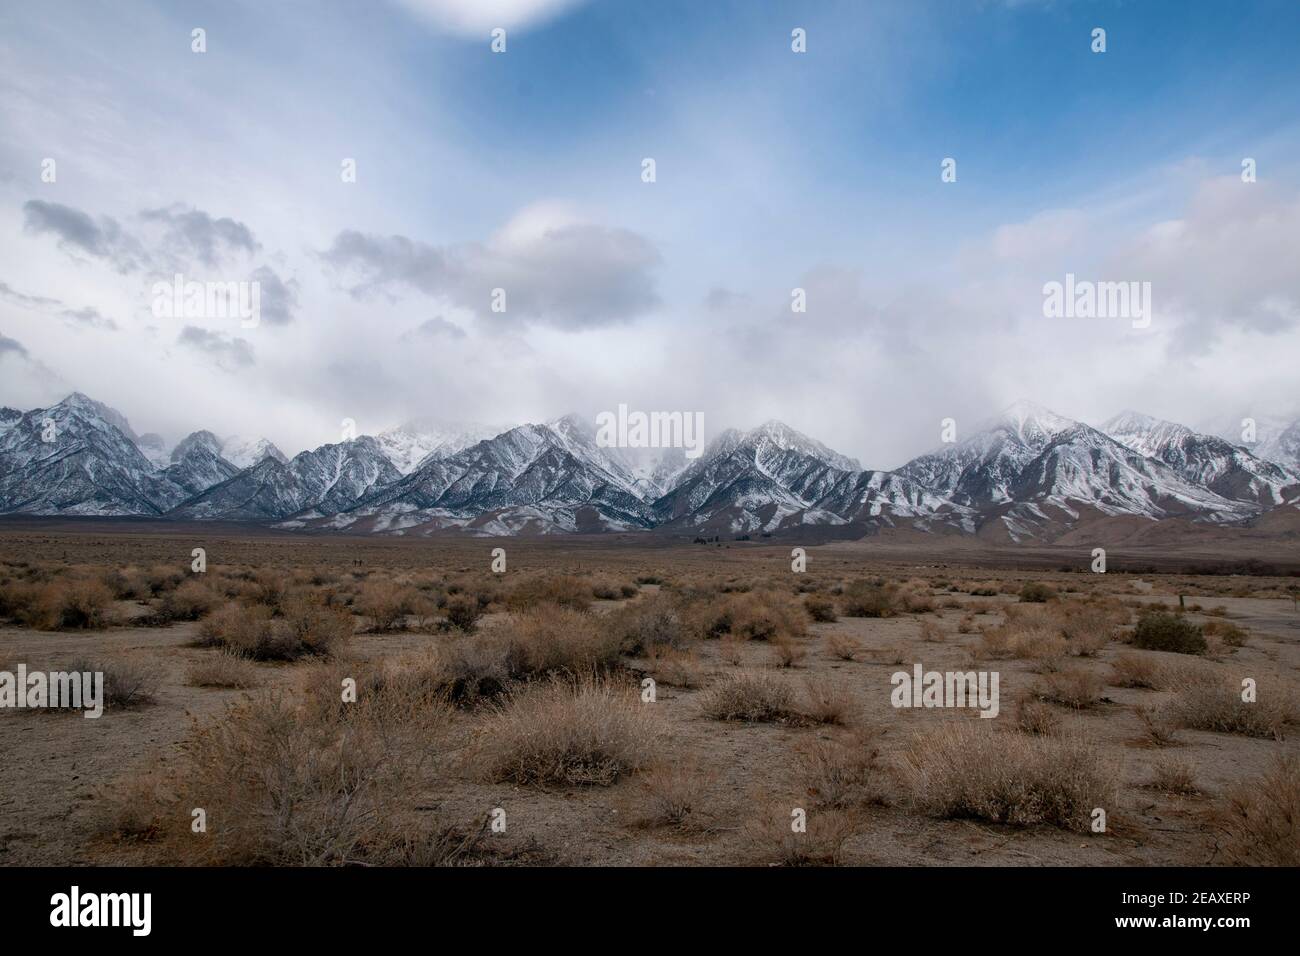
477,18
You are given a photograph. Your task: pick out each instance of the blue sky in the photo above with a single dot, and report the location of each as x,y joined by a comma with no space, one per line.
775,170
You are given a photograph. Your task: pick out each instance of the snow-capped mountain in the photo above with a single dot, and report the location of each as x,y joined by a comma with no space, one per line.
891,498
313,483
1205,460
981,469
757,481
534,478
422,440
246,452
74,458
1033,471
1028,473
196,465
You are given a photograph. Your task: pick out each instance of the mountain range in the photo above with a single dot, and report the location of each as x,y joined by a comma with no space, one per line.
1027,475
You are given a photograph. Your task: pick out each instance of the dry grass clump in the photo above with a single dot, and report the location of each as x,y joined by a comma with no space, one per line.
1023,637
551,638
464,673
1036,592
826,701
307,782
223,669
1158,728
1262,818
562,589
932,633
1135,670
1226,632
304,629
590,733
773,840
755,696
1036,718
869,599
914,596
67,604
386,605
745,615
127,683
842,771
672,794
820,609
1174,775
765,615
786,653
842,647
192,600
607,589
463,612
1090,625
647,625
1217,705
676,668
1074,687
1047,632
963,770
129,808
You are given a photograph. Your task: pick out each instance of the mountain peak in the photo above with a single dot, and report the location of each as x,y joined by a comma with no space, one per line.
1034,423
80,403
202,439
785,437
246,452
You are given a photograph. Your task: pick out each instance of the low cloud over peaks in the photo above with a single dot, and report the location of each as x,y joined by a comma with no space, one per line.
567,275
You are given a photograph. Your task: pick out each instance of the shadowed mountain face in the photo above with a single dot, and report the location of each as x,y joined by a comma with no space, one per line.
1028,474
1206,460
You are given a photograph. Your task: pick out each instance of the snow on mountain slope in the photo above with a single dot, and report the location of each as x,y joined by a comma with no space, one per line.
88,466
1084,466
246,452
410,445
1206,460
1029,472
196,465
323,481
979,470
533,471
758,481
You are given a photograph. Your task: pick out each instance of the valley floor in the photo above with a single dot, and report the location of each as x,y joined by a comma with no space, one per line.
66,777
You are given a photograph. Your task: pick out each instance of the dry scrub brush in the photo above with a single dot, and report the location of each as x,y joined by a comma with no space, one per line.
672,794
308,780
749,696
772,839
588,733
223,669
842,771
61,605
966,770
1216,703
562,589
1262,818
301,629
127,682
